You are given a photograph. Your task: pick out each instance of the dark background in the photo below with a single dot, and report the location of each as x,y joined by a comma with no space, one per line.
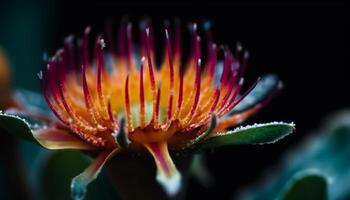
302,42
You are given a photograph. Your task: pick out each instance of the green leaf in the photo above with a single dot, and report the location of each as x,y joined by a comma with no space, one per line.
200,171
327,151
52,138
19,125
254,134
60,168
311,186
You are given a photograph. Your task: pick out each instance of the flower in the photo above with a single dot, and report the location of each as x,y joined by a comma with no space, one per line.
4,80
124,100
7,99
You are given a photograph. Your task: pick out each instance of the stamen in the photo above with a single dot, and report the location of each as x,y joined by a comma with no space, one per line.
127,105
229,90
156,113
61,93
43,84
100,71
110,112
171,66
213,101
230,96
179,100
142,96
195,54
87,95
235,102
227,68
212,61
51,70
197,49
142,39
151,73
198,89
216,99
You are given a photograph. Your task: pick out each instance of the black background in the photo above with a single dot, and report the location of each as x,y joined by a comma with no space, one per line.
302,42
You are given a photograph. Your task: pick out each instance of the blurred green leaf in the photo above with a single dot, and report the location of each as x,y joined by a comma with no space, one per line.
306,186
32,101
59,169
200,171
255,134
26,127
327,151
56,171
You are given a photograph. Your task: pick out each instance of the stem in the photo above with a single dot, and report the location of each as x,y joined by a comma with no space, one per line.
134,176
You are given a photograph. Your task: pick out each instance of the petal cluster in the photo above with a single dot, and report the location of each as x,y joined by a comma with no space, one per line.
170,105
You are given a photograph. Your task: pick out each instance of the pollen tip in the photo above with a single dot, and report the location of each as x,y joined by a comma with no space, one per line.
69,39
194,26
239,46
101,42
246,54
129,26
241,81
143,59
199,61
87,30
166,33
59,52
